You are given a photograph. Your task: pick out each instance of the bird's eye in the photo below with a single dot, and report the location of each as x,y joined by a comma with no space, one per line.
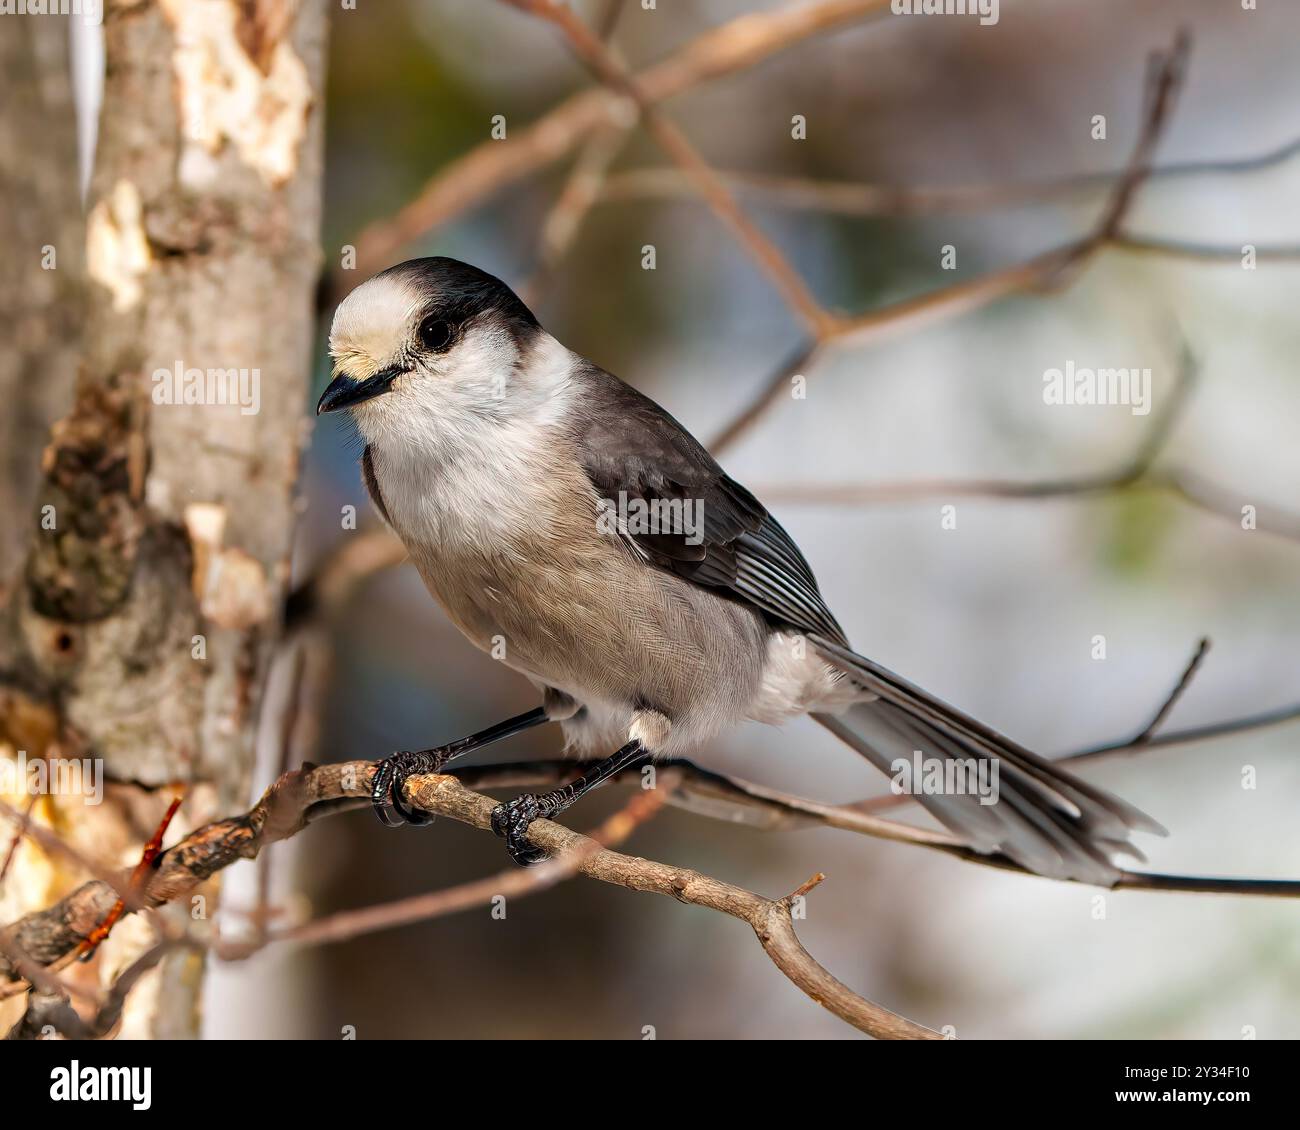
435,334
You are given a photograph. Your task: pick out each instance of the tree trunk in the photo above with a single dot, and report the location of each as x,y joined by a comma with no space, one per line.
141,628
41,270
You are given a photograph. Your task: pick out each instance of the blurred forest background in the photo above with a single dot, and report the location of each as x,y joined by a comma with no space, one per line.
997,615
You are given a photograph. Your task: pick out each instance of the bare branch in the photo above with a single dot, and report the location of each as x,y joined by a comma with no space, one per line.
1153,245
1135,473
493,165
516,882
1148,732
42,978
803,358
48,1005
854,198
770,919
1133,470
1165,74
1191,734
302,796
17,839
589,48
560,227
349,563
786,810
1052,269
582,190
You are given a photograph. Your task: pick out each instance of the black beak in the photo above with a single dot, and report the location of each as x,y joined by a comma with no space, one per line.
344,392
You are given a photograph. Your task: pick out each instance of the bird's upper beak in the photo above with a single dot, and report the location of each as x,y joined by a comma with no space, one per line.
344,391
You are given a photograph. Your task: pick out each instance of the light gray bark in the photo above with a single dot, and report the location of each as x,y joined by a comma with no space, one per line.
149,610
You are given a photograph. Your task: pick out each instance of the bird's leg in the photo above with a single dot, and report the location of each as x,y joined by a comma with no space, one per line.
386,789
511,820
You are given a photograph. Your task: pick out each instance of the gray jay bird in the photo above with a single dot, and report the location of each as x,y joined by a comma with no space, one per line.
571,524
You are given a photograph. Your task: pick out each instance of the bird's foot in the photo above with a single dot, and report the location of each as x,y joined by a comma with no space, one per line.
386,789
511,820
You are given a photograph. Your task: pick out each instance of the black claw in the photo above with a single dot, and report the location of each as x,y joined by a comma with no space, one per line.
511,821
386,789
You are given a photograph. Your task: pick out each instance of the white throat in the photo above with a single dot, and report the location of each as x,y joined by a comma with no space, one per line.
452,465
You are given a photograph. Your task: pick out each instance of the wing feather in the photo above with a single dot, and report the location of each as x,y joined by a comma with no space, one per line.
632,449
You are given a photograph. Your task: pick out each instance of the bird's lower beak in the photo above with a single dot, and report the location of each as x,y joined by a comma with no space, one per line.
344,392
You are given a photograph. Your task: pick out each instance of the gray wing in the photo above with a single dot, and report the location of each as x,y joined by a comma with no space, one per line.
629,445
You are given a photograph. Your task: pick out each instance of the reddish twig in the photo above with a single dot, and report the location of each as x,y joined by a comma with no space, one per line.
147,857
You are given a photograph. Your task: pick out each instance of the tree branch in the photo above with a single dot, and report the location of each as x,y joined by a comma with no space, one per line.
1133,470
1051,269
301,797
493,165
35,947
855,198
601,61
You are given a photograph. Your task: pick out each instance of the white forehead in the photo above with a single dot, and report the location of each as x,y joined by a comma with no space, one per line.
376,319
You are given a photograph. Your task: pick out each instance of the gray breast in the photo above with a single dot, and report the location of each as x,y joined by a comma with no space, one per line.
524,572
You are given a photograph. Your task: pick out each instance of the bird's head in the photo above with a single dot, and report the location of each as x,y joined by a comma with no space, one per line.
430,343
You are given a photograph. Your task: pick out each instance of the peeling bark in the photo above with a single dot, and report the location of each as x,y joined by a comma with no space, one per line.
148,605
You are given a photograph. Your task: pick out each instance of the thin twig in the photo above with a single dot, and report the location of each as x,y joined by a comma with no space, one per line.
1051,269
1166,72
560,227
494,165
1154,245
770,919
1135,473
607,22
602,62
798,363
1143,738
559,230
42,978
1190,734
516,882
19,833
298,797
855,198
1189,673
1206,496
349,563
147,857
107,1012
114,880
1132,471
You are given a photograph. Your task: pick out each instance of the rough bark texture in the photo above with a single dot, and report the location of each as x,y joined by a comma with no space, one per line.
39,289
140,628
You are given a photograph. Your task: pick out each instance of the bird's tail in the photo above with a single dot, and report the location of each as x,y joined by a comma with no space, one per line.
1005,799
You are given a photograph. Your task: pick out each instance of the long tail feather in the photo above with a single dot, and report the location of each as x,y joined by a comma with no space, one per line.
1043,817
